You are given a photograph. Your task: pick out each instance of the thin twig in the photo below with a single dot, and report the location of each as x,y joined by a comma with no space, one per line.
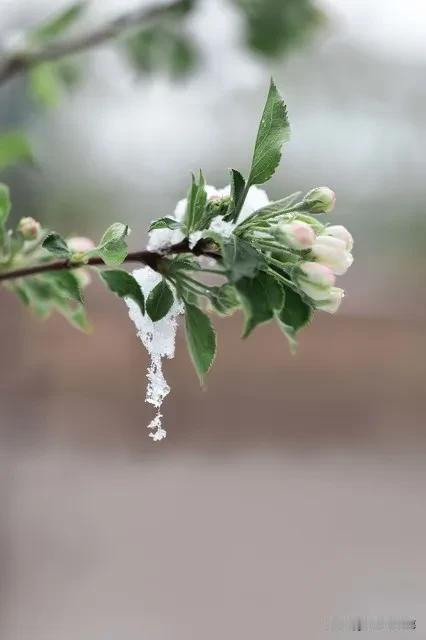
21,61
149,258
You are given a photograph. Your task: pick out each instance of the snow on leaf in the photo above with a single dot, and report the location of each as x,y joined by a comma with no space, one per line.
159,340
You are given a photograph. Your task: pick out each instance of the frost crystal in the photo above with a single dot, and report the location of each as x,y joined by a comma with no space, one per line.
159,340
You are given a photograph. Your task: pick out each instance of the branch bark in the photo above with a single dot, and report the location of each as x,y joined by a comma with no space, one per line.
21,61
150,258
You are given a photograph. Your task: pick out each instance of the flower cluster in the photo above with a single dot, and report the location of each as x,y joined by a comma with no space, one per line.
310,252
325,256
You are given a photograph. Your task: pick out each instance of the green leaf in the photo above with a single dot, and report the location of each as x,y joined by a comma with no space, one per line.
199,203
274,291
294,315
60,22
201,339
274,27
273,132
240,258
260,297
160,48
165,223
124,285
237,194
112,247
77,317
5,204
117,231
67,284
159,301
224,299
197,199
37,294
14,148
53,291
53,243
190,199
45,84
20,291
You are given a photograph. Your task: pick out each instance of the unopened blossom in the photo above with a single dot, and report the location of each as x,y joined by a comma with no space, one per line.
320,200
339,231
80,244
332,302
332,252
315,279
29,228
296,235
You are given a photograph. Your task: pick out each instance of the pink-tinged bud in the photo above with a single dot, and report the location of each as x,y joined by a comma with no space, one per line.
320,200
340,232
332,253
315,279
29,228
80,244
332,302
296,235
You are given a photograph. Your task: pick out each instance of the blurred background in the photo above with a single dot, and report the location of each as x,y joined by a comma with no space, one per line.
293,490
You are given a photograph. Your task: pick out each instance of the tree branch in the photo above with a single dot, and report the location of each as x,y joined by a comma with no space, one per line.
21,61
150,258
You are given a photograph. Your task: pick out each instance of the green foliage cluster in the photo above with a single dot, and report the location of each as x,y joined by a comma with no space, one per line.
275,26
252,270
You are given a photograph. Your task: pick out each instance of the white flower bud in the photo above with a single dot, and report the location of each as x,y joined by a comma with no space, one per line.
296,235
339,231
29,228
80,244
333,300
332,252
320,200
315,279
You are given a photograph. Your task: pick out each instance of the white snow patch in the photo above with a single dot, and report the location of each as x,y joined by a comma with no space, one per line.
159,340
194,237
222,227
160,239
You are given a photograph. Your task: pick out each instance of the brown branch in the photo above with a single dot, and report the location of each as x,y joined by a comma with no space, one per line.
21,61
149,258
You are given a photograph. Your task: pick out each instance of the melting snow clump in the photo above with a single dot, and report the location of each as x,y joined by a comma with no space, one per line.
159,340
159,337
